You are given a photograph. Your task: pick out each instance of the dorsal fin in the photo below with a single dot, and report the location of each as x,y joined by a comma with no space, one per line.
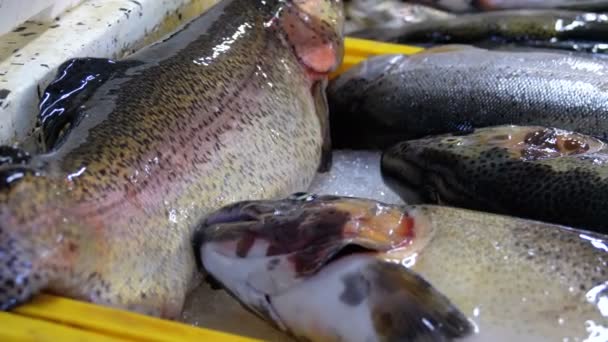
76,80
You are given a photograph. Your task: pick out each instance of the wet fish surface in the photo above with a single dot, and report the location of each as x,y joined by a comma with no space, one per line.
555,29
461,6
307,263
373,14
139,150
388,99
535,172
289,262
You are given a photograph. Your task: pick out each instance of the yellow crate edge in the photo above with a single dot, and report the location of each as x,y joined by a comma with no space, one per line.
357,50
17,328
118,323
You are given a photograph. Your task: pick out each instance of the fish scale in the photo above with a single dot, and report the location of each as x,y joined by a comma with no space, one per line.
185,128
388,99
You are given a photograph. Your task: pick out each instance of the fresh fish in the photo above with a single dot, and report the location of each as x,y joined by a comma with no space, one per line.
534,172
372,14
308,266
391,98
556,29
493,5
328,268
177,130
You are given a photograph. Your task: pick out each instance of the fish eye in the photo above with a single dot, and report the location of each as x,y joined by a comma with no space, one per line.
451,140
572,145
540,137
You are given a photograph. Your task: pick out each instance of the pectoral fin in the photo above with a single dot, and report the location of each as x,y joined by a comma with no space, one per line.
405,307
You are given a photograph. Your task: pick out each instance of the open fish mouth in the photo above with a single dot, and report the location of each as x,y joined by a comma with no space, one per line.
304,262
314,29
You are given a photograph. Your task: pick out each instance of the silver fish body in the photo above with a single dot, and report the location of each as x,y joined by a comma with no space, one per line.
394,14
391,98
555,29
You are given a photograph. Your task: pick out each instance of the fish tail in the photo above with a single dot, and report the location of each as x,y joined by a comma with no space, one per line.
405,307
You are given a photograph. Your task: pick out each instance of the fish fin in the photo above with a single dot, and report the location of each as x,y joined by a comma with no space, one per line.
322,109
19,279
75,81
405,307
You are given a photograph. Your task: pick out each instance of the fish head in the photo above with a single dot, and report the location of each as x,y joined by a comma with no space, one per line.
424,165
312,265
314,30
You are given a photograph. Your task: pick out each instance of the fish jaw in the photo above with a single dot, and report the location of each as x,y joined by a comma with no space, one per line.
273,255
314,29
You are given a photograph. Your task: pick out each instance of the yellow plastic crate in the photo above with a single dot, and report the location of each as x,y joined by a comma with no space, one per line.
51,318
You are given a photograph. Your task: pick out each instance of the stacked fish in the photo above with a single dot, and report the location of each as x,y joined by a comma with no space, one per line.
177,157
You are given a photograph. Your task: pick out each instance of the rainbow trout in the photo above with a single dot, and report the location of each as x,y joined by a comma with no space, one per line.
554,29
534,172
347,269
391,98
230,107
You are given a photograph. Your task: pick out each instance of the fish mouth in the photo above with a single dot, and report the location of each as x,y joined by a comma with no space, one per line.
314,30
292,224
277,244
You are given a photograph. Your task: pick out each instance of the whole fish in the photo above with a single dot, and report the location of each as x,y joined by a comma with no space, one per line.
387,99
535,172
327,268
493,5
171,133
372,14
556,29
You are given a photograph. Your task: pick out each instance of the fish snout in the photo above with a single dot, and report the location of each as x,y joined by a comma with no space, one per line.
255,229
314,28
19,277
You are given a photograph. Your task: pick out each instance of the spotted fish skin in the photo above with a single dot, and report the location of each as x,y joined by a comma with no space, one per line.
470,275
453,88
534,172
516,279
228,108
313,266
